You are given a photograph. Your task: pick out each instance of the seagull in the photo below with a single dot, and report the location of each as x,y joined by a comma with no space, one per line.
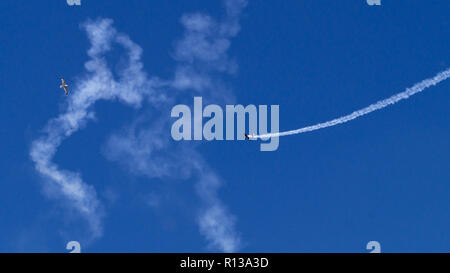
64,86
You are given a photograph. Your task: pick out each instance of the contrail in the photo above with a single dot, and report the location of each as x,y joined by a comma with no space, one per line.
417,88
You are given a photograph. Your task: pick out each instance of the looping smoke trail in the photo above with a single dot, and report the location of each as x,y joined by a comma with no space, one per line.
417,88
200,54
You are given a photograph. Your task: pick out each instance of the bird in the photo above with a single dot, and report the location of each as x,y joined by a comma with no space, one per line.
64,86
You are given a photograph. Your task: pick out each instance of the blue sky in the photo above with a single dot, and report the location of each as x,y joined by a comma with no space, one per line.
115,181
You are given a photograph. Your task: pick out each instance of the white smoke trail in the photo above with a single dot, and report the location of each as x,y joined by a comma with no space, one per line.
148,151
417,88
99,84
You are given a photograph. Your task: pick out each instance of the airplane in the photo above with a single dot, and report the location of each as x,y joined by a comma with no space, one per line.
249,136
64,86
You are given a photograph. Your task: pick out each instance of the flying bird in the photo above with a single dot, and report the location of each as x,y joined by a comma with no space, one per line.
64,86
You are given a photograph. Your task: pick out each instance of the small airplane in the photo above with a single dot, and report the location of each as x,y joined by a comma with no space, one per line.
64,86
249,136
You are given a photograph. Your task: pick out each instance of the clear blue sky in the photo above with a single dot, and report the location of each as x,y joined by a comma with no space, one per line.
383,177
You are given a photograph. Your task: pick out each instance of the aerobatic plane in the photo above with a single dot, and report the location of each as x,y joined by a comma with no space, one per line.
64,86
249,136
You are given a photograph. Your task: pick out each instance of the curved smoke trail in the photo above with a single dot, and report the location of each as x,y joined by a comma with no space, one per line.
417,88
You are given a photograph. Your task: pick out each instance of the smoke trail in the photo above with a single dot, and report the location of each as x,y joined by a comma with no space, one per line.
417,88
200,54
99,84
